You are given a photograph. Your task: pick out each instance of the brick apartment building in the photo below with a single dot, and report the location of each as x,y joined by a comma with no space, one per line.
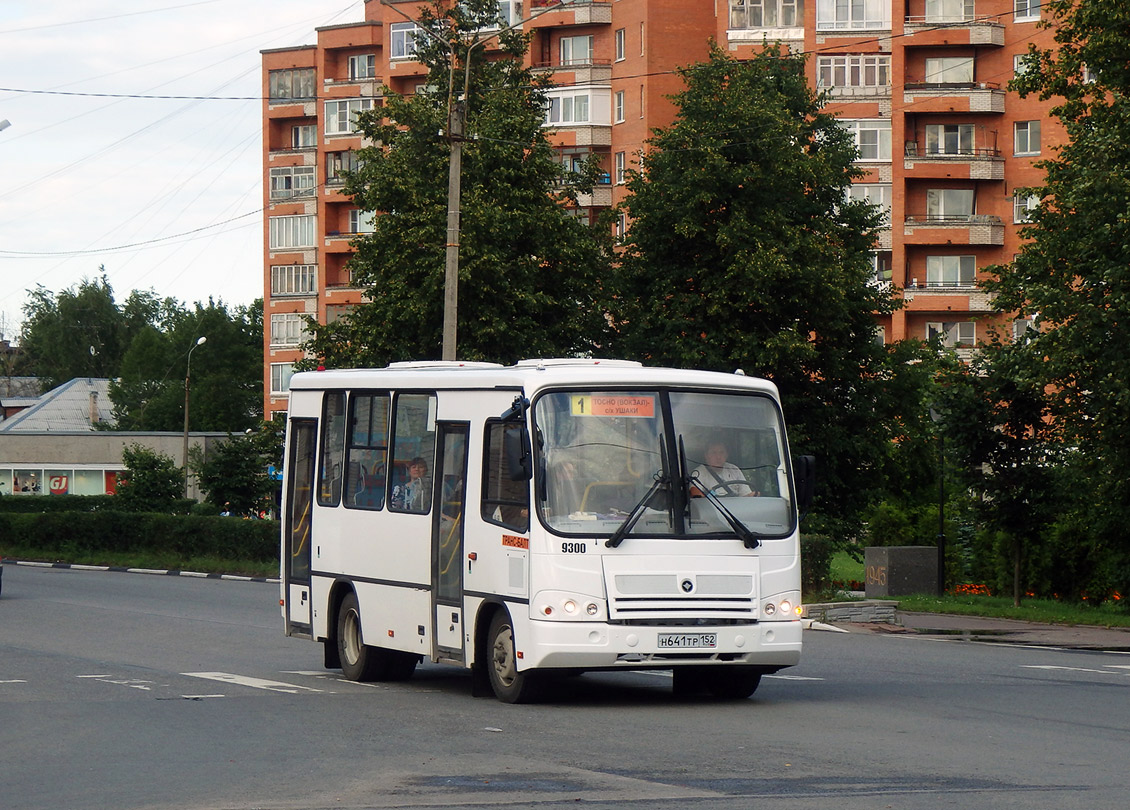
921,83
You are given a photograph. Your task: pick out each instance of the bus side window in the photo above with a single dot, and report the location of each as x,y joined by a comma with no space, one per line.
333,449
505,502
367,452
413,452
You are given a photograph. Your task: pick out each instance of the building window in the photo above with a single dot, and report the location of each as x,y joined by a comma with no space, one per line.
576,50
872,138
940,11
881,262
280,377
1024,329
568,108
292,232
293,279
402,40
852,15
295,83
361,221
766,13
620,163
953,333
291,181
619,38
949,70
338,162
878,194
1022,207
1027,10
288,329
1024,62
861,70
363,66
304,136
1027,137
949,139
341,116
949,204
950,271
618,107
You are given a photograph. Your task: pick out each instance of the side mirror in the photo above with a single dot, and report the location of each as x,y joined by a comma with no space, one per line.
804,482
516,448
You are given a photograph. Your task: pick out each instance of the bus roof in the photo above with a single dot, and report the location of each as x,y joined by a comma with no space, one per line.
529,375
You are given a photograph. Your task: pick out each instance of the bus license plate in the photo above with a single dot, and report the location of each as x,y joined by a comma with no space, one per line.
685,641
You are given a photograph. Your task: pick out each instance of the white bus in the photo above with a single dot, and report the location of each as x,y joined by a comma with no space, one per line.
555,515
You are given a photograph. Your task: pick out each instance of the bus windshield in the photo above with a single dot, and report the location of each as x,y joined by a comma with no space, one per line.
664,462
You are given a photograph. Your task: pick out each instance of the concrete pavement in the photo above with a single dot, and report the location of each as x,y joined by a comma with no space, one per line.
999,631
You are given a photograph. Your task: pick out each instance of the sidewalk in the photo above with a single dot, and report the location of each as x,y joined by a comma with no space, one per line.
999,631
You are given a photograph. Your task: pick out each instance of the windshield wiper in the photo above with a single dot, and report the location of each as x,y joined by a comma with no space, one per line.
637,512
662,479
749,538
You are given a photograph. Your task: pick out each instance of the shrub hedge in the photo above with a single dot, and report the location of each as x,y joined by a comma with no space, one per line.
74,535
39,504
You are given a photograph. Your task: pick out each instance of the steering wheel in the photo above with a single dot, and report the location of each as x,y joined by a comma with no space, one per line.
729,488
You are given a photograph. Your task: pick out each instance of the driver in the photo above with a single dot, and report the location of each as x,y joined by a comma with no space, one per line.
718,475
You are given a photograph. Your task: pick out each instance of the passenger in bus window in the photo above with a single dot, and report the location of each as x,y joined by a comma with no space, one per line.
415,495
719,476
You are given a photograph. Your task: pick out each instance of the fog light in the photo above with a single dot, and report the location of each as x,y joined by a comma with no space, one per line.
786,606
570,606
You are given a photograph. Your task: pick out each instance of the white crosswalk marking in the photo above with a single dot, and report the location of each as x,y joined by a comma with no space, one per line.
254,683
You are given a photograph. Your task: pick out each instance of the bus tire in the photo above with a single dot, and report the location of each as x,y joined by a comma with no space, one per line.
733,683
509,685
359,662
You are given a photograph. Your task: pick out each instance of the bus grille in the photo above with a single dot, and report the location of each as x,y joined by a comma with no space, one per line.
672,596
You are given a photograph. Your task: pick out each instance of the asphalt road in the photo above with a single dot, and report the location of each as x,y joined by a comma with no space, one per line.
130,691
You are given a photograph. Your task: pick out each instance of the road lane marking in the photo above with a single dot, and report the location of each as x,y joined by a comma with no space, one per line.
16,680
1079,669
254,683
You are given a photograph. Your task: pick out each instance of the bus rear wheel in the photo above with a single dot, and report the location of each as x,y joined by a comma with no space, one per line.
362,662
509,685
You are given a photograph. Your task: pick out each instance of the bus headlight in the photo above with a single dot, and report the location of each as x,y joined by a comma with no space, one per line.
782,606
567,607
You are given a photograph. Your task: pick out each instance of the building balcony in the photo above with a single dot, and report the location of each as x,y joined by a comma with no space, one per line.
848,94
591,71
974,164
572,12
582,134
946,297
935,229
958,30
974,97
755,36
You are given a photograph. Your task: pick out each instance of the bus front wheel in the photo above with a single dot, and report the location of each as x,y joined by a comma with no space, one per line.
359,662
509,685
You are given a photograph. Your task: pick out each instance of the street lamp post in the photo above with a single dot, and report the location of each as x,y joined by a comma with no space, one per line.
938,418
188,367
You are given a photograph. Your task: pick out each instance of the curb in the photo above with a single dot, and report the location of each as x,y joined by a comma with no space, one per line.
168,572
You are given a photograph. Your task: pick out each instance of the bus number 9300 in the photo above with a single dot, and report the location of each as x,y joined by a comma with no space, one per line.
572,548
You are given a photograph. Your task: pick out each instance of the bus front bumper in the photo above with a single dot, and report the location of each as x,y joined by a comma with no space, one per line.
593,645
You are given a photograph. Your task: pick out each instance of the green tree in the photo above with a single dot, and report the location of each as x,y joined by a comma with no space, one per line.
152,482
235,472
79,332
1072,278
743,251
225,376
530,273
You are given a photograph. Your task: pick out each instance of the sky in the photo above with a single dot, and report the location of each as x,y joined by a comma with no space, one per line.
165,194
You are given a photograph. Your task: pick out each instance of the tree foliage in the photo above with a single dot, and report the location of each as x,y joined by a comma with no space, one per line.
529,273
744,252
152,482
235,473
1072,278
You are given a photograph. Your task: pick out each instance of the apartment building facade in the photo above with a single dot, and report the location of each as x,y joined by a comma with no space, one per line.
945,148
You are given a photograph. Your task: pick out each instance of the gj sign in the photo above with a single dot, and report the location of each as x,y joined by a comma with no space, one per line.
59,484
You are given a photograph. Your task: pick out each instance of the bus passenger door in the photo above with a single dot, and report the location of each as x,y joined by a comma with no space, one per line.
299,502
447,539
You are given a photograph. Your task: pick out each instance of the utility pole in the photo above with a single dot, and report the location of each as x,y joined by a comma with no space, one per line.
457,106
